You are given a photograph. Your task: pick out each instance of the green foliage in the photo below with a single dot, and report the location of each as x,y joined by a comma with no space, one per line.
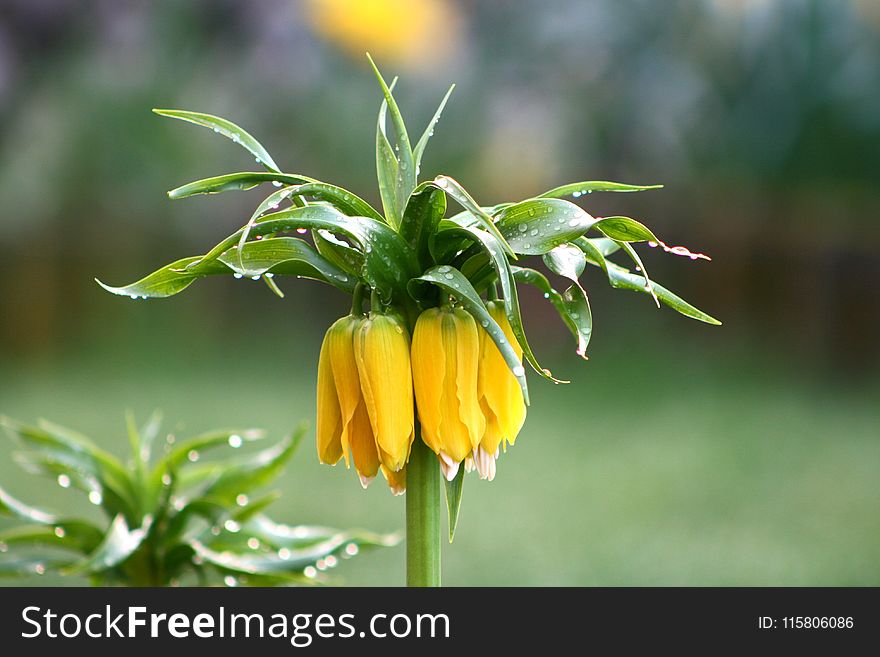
414,256
172,515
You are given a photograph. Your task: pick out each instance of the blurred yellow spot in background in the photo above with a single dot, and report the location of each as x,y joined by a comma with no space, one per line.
411,33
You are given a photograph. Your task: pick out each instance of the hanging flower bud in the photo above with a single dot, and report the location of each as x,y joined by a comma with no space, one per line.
382,352
343,424
501,398
445,355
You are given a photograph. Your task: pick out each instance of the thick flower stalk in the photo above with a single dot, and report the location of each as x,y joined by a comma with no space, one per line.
431,274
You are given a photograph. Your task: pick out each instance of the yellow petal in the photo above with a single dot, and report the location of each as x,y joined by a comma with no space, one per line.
396,480
362,444
499,390
467,364
382,351
454,434
428,366
329,422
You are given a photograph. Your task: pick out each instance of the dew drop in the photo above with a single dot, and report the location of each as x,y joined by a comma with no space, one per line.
253,543
546,295
449,276
534,232
284,553
3,547
351,549
231,526
576,194
235,441
242,500
519,370
229,580
236,275
331,561
64,481
59,532
276,183
193,456
95,497
40,569
255,278
522,228
309,571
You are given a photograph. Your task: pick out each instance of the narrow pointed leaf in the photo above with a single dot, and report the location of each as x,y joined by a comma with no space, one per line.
451,281
453,500
242,180
74,535
465,200
537,226
640,266
30,565
387,167
423,213
624,229
119,543
419,150
342,199
621,278
568,261
388,263
11,506
406,169
227,129
338,252
580,188
286,256
577,318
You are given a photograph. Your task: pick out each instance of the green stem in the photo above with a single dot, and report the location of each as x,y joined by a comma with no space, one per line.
422,516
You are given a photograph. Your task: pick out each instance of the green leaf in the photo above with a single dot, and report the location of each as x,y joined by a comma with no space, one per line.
568,261
624,229
253,470
74,535
465,200
58,449
168,280
406,168
578,320
30,565
342,199
243,180
453,500
11,506
338,252
227,129
388,261
452,281
119,543
580,188
640,266
286,256
621,278
387,167
537,226
419,150
498,261
232,438
425,209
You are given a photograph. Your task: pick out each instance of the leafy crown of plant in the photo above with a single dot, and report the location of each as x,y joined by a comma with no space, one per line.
173,515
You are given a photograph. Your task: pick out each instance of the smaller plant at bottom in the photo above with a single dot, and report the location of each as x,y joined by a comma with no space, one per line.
176,518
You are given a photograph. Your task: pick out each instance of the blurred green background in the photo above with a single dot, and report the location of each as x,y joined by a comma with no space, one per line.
681,454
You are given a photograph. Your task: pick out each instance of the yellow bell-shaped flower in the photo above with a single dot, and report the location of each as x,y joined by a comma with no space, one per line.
346,426
382,352
445,355
501,398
